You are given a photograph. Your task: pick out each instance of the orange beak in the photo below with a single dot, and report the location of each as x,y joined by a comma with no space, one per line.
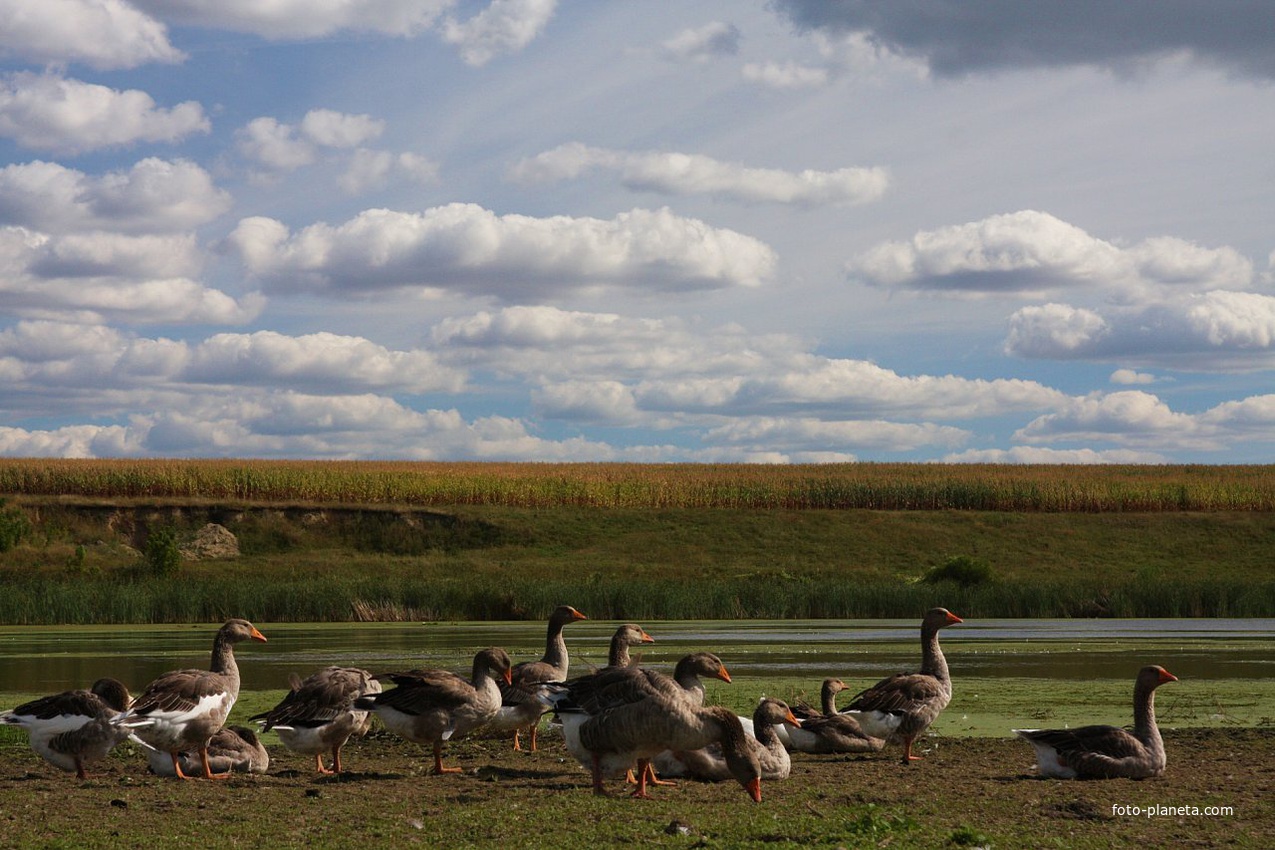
647,638
1166,676
754,789
576,615
256,635
723,675
509,675
952,618
792,718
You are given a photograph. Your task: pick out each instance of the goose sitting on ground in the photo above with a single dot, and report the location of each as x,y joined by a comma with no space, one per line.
234,749
1104,752
611,741
182,710
433,706
709,764
73,728
827,731
317,716
901,707
520,703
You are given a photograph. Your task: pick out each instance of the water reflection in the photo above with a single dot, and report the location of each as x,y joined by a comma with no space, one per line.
47,659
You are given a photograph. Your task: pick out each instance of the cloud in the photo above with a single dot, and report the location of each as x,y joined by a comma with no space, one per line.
103,34
786,75
333,129
1129,377
668,370
98,276
372,169
321,361
279,19
505,26
470,250
1215,331
701,44
1041,455
1130,418
1030,253
693,174
154,195
48,112
284,147
988,35
92,359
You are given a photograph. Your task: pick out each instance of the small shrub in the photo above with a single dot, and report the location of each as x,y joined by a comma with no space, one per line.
14,527
961,569
163,557
967,836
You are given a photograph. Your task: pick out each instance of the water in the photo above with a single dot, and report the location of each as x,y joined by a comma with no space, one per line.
46,659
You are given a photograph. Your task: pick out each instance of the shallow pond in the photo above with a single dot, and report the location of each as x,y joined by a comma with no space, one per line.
1089,664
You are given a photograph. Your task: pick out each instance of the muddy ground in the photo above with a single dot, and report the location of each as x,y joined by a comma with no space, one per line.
967,792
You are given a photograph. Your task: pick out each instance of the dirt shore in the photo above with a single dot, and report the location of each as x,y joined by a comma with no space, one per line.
967,792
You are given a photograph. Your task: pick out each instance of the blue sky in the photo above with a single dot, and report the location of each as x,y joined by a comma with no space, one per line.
592,230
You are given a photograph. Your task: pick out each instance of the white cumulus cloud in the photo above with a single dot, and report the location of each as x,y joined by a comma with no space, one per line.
154,195
700,44
505,26
674,173
104,34
468,249
1030,253
48,112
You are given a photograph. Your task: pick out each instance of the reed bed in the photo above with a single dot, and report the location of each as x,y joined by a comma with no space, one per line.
871,486
34,601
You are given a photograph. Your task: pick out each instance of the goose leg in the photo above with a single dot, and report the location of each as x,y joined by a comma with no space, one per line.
907,752
534,730
208,774
318,764
517,745
79,769
438,761
336,759
652,779
644,766
177,766
597,777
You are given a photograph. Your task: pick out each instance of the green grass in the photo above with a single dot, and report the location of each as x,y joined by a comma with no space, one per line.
81,564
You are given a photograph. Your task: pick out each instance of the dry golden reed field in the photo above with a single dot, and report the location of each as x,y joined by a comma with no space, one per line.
840,486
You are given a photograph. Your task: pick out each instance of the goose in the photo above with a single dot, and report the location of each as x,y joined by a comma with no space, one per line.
317,715
234,749
827,731
433,706
612,740
709,764
520,703
630,634
183,709
1104,752
73,728
618,686
901,707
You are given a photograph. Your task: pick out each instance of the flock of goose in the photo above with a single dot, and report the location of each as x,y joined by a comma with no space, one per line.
622,720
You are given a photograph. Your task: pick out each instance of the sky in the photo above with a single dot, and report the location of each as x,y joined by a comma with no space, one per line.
771,231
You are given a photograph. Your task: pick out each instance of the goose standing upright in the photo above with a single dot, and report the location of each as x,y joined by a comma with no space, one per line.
73,728
1105,752
521,702
630,634
182,710
613,739
317,715
433,706
901,707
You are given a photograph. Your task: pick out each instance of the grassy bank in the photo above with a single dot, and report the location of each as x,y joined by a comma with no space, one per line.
85,563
